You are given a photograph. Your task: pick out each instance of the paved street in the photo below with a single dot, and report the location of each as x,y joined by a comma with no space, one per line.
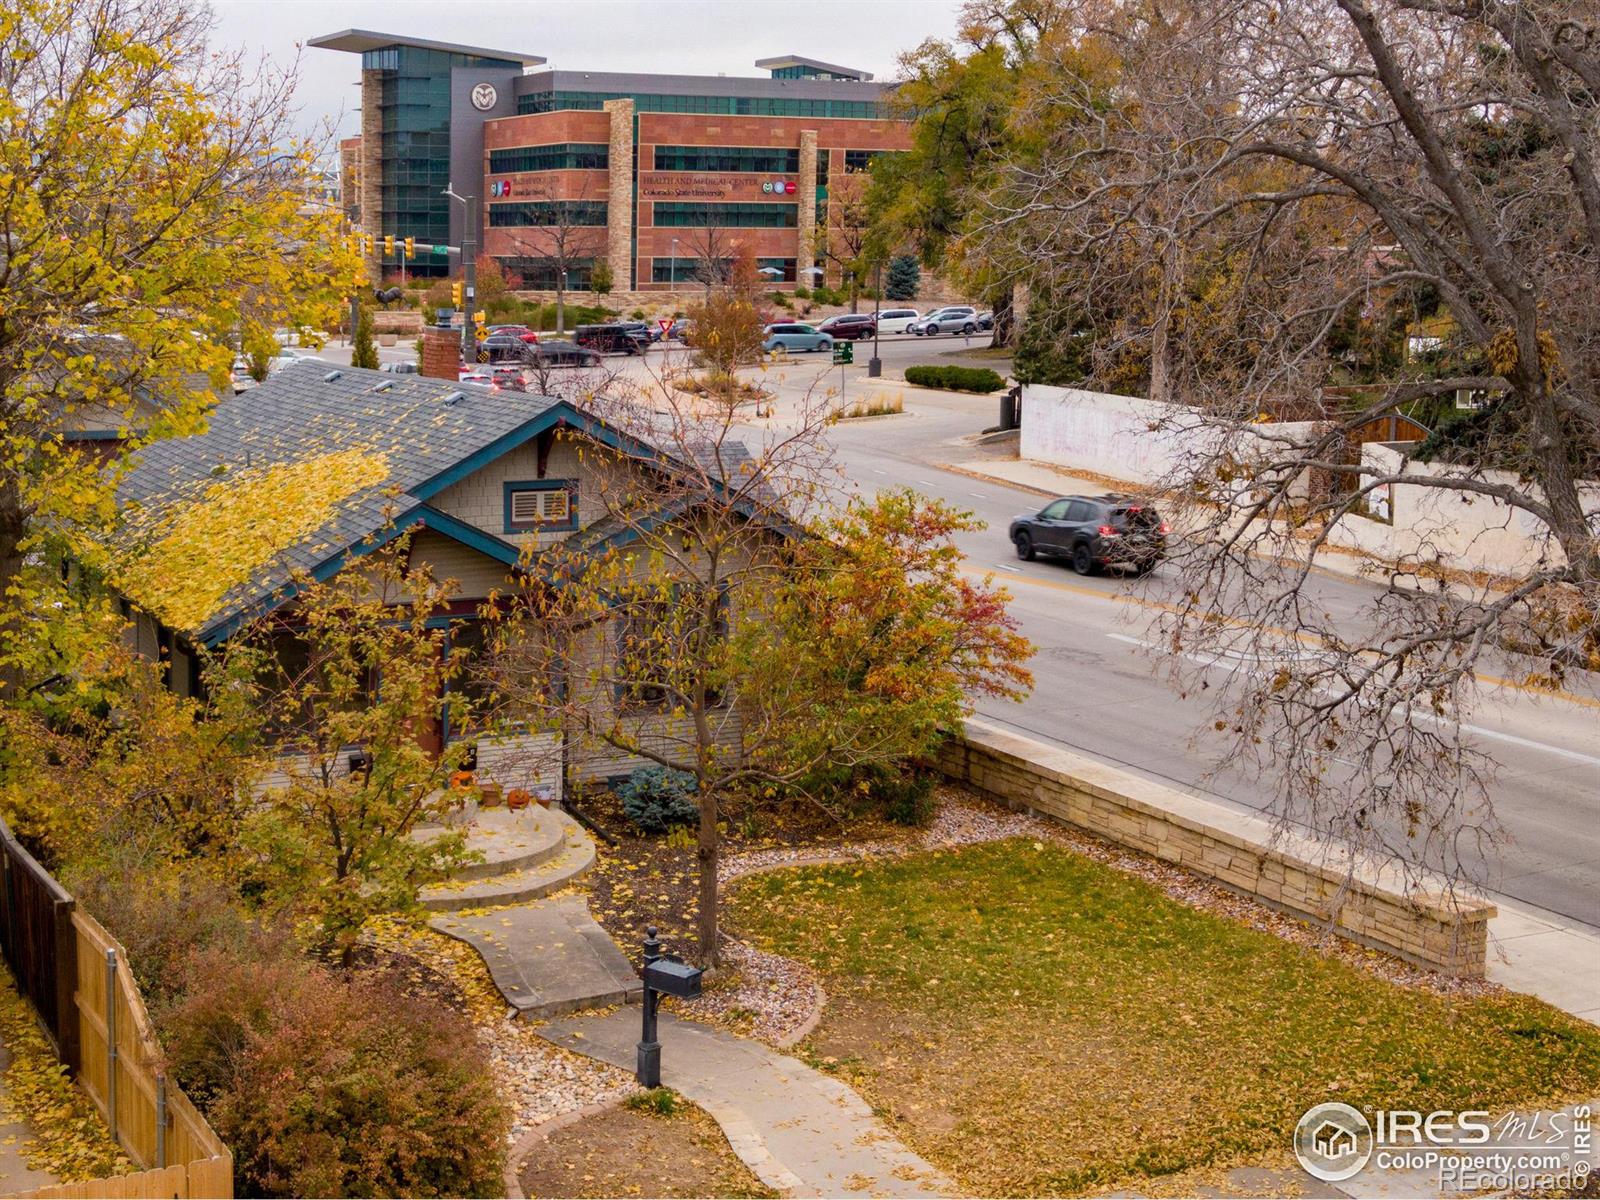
1097,688
1097,691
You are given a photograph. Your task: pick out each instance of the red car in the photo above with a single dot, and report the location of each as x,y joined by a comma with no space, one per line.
521,331
849,325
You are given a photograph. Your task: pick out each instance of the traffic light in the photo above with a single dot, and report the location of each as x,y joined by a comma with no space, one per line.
388,245
455,294
411,247
367,242
478,318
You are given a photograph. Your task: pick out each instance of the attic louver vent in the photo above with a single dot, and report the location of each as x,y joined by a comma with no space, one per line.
332,375
454,398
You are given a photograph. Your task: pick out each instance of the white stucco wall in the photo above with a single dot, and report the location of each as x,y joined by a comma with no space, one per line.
1124,437
1455,529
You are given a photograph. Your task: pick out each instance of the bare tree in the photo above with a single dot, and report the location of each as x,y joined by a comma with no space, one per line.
714,248
1226,188
566,236
843,238
717,618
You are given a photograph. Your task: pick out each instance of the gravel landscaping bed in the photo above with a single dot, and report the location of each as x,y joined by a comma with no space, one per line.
540,1080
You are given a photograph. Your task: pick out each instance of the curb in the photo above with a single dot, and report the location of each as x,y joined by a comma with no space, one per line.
528,1142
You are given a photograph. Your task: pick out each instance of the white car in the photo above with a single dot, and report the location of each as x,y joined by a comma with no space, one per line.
959,318
896,320
475,375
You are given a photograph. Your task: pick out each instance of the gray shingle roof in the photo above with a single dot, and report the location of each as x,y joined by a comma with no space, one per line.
310,409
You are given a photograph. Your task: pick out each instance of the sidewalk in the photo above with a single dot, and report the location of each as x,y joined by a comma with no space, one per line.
802,1132
16,1177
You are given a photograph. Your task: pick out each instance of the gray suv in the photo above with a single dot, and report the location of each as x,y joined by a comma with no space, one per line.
1093,532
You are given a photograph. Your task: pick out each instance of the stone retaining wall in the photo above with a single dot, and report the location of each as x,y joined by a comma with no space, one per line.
1297,876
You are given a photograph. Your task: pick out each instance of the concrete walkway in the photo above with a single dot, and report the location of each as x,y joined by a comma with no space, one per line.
547,957
800,1131
16,1177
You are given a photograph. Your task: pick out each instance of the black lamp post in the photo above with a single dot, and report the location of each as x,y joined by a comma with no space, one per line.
664,974
875,364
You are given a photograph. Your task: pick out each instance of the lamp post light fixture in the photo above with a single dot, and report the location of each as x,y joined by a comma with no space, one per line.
664,975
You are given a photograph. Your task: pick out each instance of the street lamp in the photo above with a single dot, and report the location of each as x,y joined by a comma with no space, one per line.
469,266
875,364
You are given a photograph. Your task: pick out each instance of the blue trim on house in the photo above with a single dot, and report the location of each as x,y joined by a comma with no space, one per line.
570,486
468,535
557,415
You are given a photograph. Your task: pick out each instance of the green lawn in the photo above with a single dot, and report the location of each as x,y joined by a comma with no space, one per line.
1036,1022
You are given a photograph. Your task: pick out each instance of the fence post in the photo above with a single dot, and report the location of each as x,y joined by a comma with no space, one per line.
161,1120
111,1041
67,986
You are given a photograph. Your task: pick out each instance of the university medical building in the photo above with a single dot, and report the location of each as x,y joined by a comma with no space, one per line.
656,175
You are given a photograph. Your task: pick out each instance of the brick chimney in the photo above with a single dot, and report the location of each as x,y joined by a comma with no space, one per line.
441,353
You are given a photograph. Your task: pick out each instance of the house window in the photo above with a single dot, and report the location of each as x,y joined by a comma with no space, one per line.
543,504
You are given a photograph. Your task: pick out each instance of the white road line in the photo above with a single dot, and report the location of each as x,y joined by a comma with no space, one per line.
875,471
1008,567
977,495
1479,730
927,483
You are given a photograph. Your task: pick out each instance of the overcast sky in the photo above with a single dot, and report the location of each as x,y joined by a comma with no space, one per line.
689,37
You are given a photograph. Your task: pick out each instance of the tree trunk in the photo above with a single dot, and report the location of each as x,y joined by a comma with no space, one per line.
706,922
13,528
561,315
1005,325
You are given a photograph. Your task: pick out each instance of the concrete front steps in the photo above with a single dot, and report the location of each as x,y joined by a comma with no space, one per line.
548,957
525,855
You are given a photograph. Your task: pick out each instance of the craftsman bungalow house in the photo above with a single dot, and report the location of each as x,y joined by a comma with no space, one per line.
304,474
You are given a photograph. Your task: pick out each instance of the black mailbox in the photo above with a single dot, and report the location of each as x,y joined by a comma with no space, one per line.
673,978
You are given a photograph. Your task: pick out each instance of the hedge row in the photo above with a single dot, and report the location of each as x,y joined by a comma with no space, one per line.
956,379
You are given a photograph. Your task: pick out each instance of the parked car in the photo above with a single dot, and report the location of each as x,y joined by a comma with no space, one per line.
521,331
508,377
652,333
896,320
287,356
795,337
1093,532
849,325
401,368
612,339
502,347
563,354
986,320
961,318
680,330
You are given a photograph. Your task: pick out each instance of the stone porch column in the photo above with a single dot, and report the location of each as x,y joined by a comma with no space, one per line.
371,196
806,255
619,198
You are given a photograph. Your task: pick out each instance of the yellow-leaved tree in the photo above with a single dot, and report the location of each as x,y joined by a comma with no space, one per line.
155,214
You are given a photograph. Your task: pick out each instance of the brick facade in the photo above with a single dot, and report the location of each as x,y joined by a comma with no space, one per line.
619,228
631,186
441,353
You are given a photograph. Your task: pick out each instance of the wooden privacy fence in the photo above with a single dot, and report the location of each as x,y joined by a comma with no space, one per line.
78,979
